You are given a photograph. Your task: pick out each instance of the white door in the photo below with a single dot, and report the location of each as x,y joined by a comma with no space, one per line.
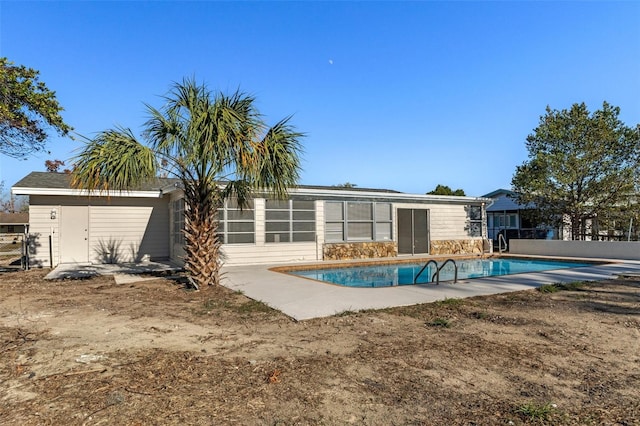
74,234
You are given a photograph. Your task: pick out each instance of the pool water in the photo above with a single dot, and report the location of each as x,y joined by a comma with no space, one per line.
403,273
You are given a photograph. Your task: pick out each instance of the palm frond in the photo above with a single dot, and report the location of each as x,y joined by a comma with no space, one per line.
275,164
113,161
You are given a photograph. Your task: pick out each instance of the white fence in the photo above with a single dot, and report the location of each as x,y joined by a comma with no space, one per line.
628,250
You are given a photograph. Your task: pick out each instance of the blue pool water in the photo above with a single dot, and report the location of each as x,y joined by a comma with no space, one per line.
404,273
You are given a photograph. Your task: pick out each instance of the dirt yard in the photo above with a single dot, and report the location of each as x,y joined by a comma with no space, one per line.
93,352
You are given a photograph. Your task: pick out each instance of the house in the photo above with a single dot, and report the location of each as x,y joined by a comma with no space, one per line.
14,223
12,230
315,223
506,217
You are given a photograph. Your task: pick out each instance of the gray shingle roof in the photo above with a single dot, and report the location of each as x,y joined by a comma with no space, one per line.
63,181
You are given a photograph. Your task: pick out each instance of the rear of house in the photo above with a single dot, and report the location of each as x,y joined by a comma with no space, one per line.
315,223
328,223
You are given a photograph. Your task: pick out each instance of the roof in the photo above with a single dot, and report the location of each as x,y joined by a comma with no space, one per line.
350,188
48,183
497,192
505,200
14,218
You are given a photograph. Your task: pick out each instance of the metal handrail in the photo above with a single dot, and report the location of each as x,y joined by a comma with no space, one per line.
502,239
436,275
415,280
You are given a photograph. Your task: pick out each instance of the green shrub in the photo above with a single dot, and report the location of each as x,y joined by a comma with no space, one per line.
440,322
450,301
533,411
548,288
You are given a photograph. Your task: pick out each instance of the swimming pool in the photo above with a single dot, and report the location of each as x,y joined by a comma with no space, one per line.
389,275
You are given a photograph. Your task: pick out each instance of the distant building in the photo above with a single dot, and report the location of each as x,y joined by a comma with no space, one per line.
506,217
13,223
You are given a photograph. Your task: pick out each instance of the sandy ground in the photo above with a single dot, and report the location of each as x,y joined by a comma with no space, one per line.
92,352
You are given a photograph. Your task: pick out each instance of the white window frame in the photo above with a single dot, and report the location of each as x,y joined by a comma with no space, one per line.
341,226
293,235
244,216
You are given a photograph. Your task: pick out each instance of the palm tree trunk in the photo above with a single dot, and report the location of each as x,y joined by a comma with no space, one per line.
202,246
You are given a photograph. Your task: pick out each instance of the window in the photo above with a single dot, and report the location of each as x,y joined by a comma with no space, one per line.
357,221
178,221
508,221
474,221
236,226
290,221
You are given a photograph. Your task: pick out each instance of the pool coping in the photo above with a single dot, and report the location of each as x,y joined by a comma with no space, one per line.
302,298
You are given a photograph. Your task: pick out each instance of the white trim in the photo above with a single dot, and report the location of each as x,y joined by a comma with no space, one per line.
85,193
388,195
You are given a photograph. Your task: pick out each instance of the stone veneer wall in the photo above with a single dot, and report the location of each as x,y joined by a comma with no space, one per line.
368,250
456,247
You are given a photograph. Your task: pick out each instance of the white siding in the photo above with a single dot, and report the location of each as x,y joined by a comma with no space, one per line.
134,232
41,227
261,252
446,221
127,228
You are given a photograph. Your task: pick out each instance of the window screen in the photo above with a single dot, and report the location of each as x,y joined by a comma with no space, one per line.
290,221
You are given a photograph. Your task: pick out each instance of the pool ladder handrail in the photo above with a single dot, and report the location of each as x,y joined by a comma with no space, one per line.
502,239
415,280
436,275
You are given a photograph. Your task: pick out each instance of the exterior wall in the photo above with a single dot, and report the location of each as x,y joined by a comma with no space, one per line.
628,250
42,231
448,229
120,229
448,233
261,252
448,222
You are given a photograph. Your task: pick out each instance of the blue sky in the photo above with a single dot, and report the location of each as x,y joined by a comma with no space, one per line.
396,95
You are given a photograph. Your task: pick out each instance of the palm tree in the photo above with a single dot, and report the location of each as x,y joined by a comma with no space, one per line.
218,146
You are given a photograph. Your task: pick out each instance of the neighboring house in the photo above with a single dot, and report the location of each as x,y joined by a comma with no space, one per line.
13,223
315,223
12,230
505,216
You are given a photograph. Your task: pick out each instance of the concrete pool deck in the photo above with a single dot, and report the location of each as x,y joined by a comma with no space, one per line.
303,299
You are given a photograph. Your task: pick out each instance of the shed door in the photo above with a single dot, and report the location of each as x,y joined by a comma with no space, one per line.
413,231
74,234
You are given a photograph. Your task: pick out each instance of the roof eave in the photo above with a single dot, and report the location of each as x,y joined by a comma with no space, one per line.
85,193
390,195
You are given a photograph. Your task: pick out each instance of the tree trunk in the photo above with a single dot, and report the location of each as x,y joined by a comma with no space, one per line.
202,246
575,227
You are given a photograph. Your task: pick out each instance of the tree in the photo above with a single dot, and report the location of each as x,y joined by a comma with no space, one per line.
28,109
346,185
445,190
53,166
10,203
580,166
218,147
